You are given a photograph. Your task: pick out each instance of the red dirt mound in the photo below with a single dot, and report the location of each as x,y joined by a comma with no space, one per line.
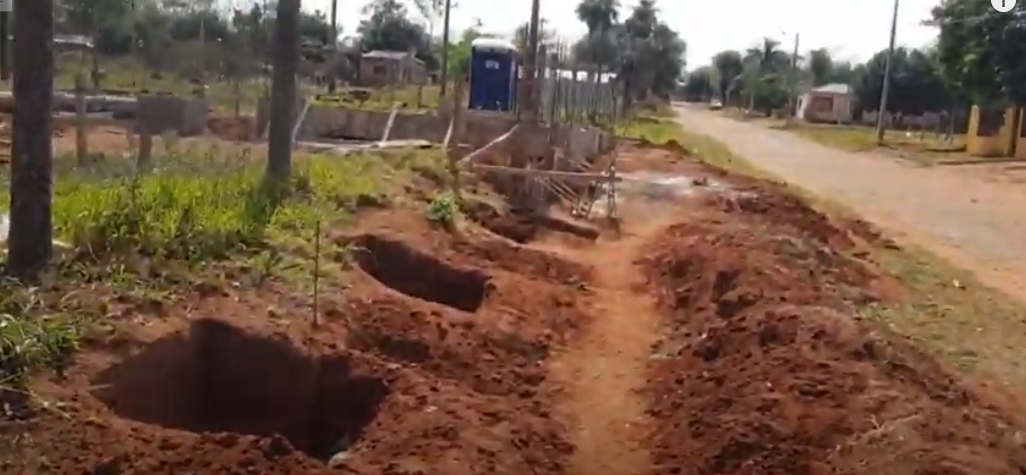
232,128
221,399
766,371
430,360
524,227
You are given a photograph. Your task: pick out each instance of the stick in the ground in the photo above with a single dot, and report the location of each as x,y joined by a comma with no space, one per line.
81,138
317,274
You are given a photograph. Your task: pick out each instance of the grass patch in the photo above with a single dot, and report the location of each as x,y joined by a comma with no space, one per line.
948,311
855,138
660,130
151,237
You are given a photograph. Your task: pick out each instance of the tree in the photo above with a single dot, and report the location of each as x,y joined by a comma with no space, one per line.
30,238
522,36
820,66
459,53
916,83
600,16
980,52
388,27
283,89
763,77
699,84
433,11
652,54
729,65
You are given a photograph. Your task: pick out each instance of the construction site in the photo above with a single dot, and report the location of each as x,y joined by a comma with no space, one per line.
600,305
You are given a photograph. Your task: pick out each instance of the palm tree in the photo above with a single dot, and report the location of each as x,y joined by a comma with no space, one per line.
30,239
763,63
600,16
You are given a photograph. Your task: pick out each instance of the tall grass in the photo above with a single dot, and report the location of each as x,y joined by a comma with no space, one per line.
193,207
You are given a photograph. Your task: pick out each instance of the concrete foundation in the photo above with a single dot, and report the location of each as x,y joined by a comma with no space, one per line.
154,113
333,122
159,114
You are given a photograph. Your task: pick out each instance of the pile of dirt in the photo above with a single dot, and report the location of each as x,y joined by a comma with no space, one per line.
522,226
767,370
232,128
401,377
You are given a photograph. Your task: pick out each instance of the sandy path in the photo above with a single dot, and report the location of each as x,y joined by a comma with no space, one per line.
608,368
977,224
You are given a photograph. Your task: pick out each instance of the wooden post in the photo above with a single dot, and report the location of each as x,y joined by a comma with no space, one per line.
454,136
81,131
237,94
144,159
391,121
5,36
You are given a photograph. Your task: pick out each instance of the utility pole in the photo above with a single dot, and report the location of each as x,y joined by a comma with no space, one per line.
792,102
880,124
445,48
530,67
333,52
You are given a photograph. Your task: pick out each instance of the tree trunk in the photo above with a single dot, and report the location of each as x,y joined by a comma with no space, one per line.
30,240
283,89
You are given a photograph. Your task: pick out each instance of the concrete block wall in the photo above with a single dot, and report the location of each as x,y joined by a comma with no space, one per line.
480,128
158,114
323,121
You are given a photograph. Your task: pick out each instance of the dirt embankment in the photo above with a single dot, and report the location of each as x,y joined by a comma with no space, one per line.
488,351
765,368
431,358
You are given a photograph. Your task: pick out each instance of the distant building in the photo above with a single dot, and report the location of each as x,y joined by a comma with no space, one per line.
380,68
834,103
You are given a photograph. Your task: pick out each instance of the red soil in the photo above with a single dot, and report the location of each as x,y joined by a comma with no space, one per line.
441,352
766,369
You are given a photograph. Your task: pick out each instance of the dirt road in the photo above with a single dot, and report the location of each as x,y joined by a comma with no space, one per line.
976,224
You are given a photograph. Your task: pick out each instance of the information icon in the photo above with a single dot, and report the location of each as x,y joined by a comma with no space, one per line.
1003,6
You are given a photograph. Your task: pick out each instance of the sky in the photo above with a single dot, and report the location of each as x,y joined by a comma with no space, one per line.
850,29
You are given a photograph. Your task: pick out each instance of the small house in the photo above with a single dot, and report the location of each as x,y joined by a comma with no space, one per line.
381,68
832,103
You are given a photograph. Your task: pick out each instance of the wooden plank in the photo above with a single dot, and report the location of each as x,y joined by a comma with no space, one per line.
561,187
543,173
560,192
494,143
70,121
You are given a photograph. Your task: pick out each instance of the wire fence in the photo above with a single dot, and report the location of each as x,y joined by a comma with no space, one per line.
575,93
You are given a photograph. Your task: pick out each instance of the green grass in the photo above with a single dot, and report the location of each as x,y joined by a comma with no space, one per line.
383,98
197,215
662,130
948,312
861,138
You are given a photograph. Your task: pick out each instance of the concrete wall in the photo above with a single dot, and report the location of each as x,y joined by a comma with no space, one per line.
158,114
324,121
529,141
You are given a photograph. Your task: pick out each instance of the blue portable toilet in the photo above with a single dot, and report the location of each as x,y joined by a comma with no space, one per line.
493,74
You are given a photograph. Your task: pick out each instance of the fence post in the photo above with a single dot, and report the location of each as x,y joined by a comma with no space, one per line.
81,131
144,158
453,139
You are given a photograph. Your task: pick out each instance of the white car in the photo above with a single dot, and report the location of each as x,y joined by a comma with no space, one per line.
715,104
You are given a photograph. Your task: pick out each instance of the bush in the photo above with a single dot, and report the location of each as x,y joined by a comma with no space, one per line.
444,209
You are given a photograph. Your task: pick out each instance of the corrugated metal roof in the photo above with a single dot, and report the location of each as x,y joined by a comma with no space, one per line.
836,88
385,54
